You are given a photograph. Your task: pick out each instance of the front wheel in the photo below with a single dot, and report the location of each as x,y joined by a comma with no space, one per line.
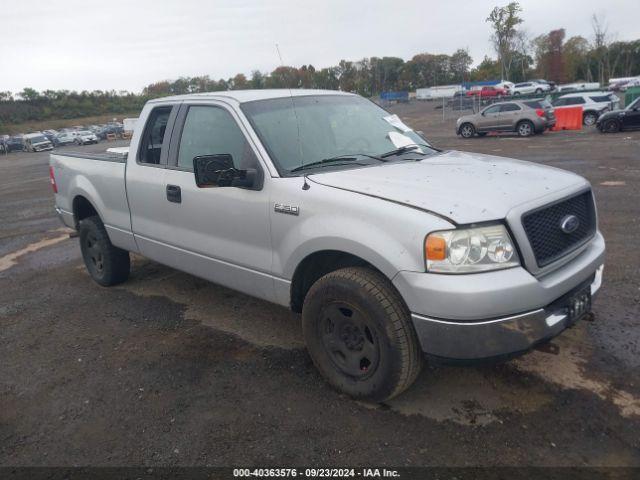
611,126
359,334
467,130
108,265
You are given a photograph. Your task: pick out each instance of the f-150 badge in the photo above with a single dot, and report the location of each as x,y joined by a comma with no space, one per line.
288,209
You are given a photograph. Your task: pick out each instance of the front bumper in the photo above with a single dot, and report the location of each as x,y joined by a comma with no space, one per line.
497,337
494,313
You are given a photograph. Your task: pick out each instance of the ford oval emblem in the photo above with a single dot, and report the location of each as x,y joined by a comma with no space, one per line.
569,224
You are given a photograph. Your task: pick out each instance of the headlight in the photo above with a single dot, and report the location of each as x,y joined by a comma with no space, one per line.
469,250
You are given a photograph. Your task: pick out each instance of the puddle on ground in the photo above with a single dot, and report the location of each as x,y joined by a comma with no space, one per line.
256,321
468,396
613,183
11,259
568,369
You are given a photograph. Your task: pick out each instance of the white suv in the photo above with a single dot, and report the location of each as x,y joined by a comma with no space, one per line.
593,104
525,88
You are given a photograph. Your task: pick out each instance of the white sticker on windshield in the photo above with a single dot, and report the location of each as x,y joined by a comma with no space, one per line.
396,122
399,140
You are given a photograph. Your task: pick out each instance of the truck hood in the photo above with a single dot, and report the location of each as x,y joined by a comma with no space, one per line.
462,187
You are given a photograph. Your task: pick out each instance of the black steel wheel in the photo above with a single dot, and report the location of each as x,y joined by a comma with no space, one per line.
108,265
611,126
350,339
360,335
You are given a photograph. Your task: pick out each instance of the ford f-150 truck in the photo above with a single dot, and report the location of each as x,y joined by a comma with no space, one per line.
324,202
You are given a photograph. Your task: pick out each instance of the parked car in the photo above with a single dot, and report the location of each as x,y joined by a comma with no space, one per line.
36,142
542,81
527,88
506,117
85,137
14,144
50,134
387,246
508,86
630,84
109,129
617,120
593,104
487,91
63,138
578,87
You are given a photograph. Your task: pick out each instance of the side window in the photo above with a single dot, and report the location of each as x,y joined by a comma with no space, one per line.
153,136
560,102
493,109
575,101
509,107
212,130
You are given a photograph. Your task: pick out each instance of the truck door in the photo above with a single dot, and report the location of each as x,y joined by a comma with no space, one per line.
219,233
146,166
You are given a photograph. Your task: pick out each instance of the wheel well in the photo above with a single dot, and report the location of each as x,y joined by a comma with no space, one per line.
82,208
317,265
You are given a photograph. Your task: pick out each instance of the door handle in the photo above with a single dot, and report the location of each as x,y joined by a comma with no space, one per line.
174,194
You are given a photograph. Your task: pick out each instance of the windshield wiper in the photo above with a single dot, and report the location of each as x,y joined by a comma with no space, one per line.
333,160
405,149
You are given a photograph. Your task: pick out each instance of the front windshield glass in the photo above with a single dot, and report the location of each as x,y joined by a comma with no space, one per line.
84,132
635,104
329,126
38,139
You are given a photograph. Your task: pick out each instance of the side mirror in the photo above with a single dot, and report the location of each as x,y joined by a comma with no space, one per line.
219,171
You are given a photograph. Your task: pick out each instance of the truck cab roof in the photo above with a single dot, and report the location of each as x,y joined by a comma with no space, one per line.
243,96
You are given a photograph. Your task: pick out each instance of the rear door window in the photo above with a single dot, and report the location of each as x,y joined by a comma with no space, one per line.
155,139
509,107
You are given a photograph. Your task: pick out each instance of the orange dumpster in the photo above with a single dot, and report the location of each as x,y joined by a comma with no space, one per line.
569,118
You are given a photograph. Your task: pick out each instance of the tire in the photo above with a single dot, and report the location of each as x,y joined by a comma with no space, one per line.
467,130
107,265
359,334
538,91
516,93
611,126
589,119
525,128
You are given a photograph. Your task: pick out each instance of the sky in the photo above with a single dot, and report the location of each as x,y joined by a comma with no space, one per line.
126,45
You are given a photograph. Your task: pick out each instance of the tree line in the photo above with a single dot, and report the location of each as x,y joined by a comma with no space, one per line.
519,57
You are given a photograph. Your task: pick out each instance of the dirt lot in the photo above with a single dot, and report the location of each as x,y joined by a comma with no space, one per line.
170,370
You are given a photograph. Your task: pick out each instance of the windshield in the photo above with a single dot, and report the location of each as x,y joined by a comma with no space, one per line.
328,126
85,132
635,104
38,139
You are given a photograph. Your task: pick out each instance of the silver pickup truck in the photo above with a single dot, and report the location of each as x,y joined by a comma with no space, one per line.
324,202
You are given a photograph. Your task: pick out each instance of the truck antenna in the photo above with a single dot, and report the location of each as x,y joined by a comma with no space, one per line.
305,186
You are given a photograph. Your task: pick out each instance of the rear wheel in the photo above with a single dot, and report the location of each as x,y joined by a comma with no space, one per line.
108,265
538,91
589,119
525,128
467,130
360,335
611,126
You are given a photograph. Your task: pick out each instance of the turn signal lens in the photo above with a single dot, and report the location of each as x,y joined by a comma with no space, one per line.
435,248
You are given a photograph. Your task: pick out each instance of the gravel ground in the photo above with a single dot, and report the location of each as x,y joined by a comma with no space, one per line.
168,369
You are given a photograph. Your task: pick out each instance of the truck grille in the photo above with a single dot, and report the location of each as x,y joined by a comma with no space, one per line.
544,230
